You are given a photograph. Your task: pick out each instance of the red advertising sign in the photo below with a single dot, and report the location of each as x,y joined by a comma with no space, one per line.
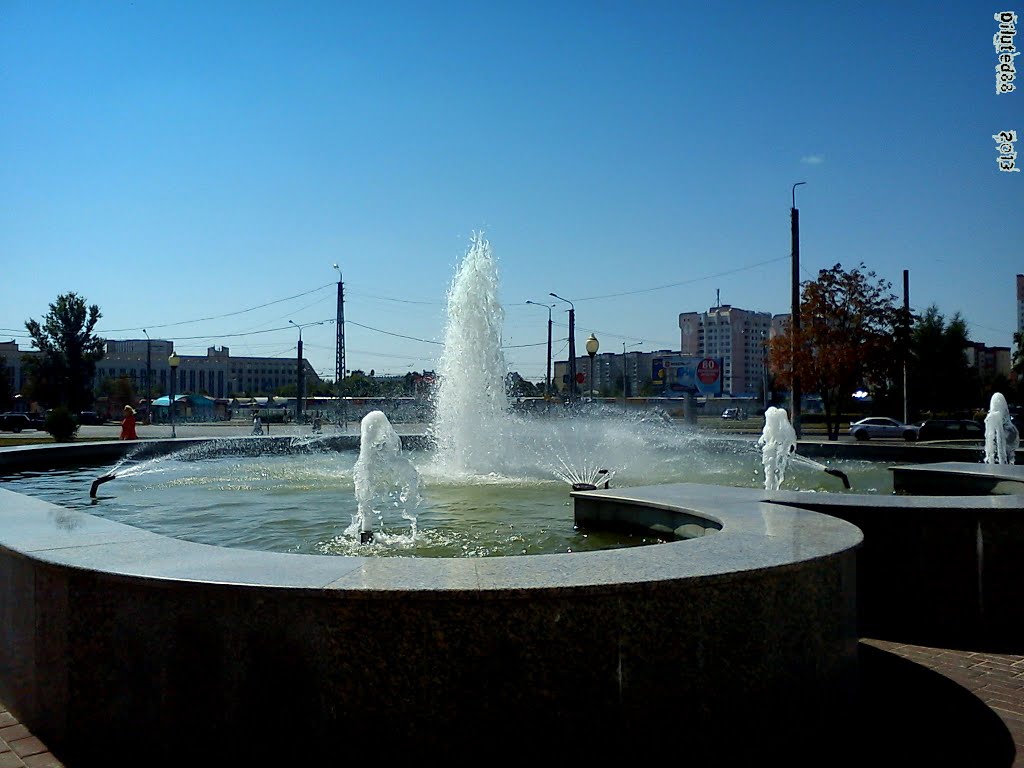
708,371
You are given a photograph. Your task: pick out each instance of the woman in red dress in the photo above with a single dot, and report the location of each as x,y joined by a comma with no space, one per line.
128,424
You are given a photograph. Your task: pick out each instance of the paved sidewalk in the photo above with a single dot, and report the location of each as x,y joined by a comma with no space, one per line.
19,748
995,682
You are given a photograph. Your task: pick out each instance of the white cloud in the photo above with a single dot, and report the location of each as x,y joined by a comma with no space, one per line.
812,159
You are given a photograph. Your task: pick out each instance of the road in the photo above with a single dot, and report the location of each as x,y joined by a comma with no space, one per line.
751,428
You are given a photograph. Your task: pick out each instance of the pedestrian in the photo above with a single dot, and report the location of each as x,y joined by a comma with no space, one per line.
128,424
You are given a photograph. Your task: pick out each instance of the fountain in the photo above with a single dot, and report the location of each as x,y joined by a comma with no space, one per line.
383,477
778,444
748,631
778,449
1001,436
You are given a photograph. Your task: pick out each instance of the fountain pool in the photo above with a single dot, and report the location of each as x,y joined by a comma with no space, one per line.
305,502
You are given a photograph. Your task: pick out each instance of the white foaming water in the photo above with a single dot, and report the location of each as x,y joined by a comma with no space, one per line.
1001,436
384,478
777,443
471,404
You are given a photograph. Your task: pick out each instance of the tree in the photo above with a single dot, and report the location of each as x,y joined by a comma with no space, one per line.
62,374
845,342
940,379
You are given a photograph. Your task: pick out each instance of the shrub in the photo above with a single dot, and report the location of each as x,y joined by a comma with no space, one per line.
61,425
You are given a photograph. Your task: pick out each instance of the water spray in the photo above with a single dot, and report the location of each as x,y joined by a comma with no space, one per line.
778,448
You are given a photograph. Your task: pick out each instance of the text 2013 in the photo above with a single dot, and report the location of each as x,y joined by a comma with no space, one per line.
1007,159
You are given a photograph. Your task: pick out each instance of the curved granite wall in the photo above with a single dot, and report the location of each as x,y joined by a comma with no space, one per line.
120,644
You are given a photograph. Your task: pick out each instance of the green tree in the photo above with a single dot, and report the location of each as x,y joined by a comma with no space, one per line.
940,379
845,342
62,374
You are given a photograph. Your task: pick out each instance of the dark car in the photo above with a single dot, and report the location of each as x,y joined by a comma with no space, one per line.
15,422
951,429
89,417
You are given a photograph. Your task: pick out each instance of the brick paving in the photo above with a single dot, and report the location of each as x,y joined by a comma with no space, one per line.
920,706
995,680
19,748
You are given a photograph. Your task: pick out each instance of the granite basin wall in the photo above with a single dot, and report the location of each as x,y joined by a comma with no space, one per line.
933,570
119,646
937,571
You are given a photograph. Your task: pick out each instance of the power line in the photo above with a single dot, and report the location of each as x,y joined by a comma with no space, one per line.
218,317
686,282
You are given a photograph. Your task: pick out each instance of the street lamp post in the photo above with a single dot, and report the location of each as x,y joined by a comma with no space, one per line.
149,383
339,344
547,376
572,346
592,346
794,323
174,361
299,372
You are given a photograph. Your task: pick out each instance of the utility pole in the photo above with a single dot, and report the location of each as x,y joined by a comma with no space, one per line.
547,377
339,350
572,347
148,381
794,222
906,343
299,375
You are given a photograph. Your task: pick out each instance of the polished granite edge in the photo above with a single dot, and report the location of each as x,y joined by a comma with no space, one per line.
755,536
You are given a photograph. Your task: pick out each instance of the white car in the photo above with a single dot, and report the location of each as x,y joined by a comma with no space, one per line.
882,426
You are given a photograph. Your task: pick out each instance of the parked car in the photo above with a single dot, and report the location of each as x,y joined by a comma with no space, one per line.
15,422
951,429
884,427
89,417
731,413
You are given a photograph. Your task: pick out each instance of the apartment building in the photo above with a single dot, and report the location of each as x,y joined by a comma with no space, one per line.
739,337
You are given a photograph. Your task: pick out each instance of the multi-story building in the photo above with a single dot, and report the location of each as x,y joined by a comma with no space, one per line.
217,373
10,359
738,336
612,371
988,361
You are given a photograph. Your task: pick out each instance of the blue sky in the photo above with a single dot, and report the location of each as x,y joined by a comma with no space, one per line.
173,161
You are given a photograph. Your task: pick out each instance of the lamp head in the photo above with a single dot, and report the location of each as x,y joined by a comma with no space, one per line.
174,360
592,345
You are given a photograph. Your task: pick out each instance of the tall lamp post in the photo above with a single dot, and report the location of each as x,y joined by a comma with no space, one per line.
637,344
149,382
592,346
572,346
174,361
794,325
547,376
339,344
299,377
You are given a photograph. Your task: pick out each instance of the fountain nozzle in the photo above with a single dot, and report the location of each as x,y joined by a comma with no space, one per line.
100,481
841,475
366,537
584,487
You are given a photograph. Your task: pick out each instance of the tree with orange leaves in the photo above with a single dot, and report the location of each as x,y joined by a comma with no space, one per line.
851,333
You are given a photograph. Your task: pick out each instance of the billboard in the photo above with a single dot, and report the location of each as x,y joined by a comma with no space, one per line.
680,374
